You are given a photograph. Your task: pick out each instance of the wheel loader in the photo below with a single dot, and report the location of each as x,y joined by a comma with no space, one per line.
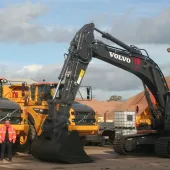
35,101
57,144
11,110
38,108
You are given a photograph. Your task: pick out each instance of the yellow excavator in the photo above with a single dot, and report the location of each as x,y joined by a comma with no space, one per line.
11,110
34,98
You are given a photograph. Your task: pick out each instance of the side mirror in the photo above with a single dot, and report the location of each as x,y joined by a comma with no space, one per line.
3,81
84,93
23,89
88,92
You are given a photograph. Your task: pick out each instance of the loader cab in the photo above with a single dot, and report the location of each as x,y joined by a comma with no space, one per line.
43,91
38,106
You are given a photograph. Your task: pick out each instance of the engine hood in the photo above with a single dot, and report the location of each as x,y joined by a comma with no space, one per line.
81,107
6,103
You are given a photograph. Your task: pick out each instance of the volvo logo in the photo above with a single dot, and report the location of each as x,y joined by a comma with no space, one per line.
120,57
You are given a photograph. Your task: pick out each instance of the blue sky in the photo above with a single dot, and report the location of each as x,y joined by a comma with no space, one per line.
72,13
34,35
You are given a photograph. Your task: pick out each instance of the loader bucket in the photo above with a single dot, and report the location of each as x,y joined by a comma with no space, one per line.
63,147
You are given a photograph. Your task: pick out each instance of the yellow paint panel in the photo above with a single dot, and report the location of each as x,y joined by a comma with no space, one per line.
81,73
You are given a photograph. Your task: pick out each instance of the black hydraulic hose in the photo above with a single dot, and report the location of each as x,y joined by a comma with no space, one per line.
115,40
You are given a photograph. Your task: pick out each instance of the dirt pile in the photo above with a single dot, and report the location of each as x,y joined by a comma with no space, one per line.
137,100
102,107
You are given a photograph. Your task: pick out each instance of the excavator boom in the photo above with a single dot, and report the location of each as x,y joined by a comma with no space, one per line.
84,47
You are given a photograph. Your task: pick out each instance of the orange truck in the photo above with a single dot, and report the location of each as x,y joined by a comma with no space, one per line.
11,110
34,98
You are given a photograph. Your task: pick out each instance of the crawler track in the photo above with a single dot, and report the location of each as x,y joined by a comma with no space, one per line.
162,147
118,146
133,144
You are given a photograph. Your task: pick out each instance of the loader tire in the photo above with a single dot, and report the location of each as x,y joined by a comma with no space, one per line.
32,135
102,141
26,148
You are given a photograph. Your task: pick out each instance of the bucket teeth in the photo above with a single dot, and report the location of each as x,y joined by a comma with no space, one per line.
64,147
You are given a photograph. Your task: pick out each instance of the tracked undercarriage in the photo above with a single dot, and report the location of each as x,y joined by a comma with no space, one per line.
142,144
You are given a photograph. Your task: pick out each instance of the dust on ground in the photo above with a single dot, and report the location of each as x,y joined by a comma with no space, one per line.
104,159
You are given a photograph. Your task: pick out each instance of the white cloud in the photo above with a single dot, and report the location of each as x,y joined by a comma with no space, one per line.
146,30
105,79
17,24
30,68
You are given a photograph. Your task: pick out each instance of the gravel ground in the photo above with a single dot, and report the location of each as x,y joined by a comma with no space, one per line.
105,159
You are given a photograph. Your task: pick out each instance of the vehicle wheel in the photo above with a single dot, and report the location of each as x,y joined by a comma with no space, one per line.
102,141
32,135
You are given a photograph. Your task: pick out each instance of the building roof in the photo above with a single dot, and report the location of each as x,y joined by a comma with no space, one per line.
21,80
168,80
129,105
102,106
137,100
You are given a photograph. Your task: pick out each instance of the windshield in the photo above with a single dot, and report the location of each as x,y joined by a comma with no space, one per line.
46,91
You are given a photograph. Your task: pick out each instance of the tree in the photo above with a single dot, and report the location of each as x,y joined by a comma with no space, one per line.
115,98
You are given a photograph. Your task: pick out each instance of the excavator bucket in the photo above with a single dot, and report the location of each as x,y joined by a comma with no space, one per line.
56,143
66,147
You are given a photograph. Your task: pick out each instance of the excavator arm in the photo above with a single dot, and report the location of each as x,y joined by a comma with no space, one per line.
84,47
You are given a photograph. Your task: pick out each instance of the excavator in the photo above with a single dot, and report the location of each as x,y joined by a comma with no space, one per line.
57,144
